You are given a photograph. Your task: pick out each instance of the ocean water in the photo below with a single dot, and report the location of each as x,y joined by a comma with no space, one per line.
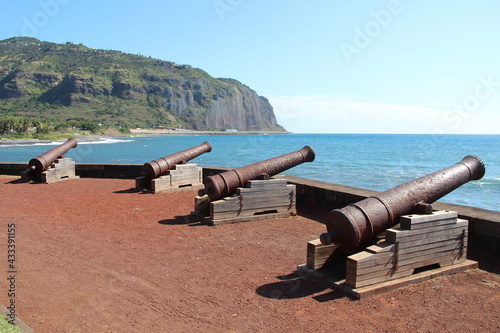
370,161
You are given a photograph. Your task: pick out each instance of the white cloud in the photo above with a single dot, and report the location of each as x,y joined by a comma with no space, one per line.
326,114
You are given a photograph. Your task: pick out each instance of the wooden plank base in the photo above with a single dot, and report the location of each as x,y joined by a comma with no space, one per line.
336,281
61,169
52,180
424,247
177,189
259,200
318,254
260,217
423,240
181,177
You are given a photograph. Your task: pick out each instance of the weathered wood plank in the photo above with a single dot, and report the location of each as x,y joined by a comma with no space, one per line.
160,183
413,221
383,287
238,204
429,224
318,254
268,189
394,235
181,175
60,169
259,184
358,281
366,259
439,238
379,288
454,234
259,197
268,193
419,259
212,222
251,212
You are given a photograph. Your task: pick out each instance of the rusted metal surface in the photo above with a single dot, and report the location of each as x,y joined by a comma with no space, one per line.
358,223
158,167
42,162
226,183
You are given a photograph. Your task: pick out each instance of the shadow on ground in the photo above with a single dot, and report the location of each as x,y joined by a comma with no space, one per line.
188,220
131,190
294,285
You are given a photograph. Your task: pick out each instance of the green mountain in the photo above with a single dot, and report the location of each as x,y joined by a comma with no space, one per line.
74,82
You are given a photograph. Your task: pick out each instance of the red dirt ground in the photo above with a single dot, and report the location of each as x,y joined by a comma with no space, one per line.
95,256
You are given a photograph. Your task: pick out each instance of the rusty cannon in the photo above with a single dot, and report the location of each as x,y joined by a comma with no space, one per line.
40,163
160,166
52,166
226,183
358,223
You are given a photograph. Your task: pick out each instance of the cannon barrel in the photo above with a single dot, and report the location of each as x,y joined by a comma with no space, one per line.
158,167
358,223
226,183
42,162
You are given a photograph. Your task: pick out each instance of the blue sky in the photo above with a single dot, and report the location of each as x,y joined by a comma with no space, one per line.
393,66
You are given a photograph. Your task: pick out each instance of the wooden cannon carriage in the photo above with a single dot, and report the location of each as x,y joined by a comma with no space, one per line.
249,193
381,257
52,166
173,172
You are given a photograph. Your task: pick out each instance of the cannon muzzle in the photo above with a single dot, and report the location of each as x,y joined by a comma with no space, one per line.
226,183
358,223
158,167
42,162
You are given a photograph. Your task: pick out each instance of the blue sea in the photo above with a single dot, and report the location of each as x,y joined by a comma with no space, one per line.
370,161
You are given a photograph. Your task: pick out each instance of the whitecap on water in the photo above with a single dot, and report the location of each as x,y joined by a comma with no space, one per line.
105,141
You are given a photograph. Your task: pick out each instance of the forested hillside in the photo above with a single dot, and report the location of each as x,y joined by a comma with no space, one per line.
70,82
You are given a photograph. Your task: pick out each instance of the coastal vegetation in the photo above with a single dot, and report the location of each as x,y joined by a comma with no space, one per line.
15,127
46,85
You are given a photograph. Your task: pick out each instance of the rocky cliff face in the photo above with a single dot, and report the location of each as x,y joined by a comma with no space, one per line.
12,85
72,76
257,110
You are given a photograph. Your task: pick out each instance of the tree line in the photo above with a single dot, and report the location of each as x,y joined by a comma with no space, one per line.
14,125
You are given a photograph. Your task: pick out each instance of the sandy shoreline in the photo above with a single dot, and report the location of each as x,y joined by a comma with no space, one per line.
11,142
135,133
24,142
